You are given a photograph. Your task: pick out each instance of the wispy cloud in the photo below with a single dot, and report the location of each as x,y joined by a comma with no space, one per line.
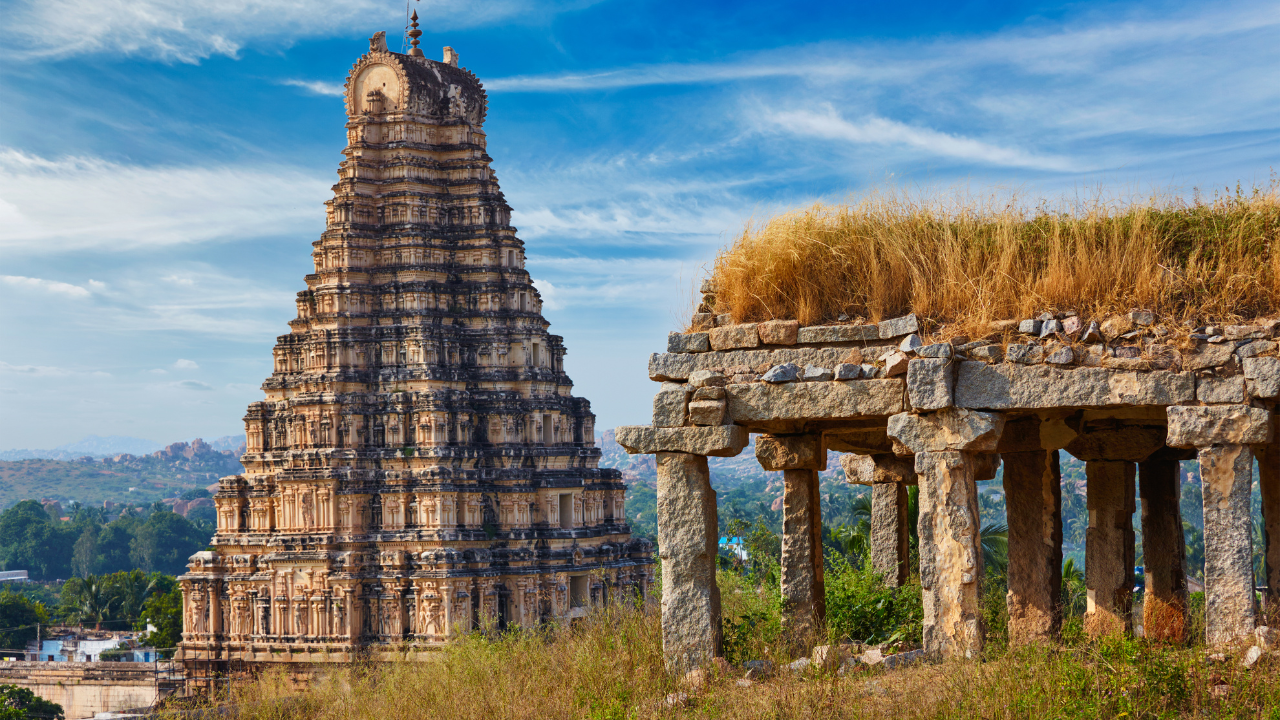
49,371
53,286
123,207
316,87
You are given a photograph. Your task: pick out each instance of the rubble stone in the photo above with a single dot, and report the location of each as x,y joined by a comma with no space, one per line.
936,350
732,337
827,657
671,405
1115,326
1006,386
779,332
910,343
930,383
988,353
1255,348
813,373
694,342
786,372
1200,426
895,364
1245,332
1092,333
838,333
791,452
1061,355
717,441
1025,354
1072,326
1030,327
688,538
900,326
1206,356
1142,318
848,371
1050,327
1262,376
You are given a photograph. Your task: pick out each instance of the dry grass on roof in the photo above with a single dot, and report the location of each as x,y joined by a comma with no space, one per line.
965,263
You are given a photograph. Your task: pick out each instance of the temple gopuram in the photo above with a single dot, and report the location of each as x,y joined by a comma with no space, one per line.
419,467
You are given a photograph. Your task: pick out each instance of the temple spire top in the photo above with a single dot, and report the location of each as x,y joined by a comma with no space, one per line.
415,33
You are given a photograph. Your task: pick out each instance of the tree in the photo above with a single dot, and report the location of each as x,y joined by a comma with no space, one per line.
19,615
163,611
30,540
164,542
89,600
18,703
84,555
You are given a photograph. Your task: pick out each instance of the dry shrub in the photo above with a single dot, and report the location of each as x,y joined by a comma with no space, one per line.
970,262
1164,622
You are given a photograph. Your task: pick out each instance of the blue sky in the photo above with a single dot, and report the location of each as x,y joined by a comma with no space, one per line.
163,163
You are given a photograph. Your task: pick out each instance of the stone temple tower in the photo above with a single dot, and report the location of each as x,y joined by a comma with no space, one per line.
419,467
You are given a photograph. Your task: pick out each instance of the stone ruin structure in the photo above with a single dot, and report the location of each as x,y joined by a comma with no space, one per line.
1117,394
419,467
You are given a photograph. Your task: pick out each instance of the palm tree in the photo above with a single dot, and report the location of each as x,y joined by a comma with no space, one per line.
1073,588
995,547
96,601
132,590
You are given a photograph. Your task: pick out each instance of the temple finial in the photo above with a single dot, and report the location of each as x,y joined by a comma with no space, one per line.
415,33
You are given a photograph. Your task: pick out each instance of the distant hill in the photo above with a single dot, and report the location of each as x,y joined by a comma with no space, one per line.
95,446
123,477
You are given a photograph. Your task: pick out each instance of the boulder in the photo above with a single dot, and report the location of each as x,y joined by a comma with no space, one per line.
1201,426
900,326
718,441
694,342
778,332
734,336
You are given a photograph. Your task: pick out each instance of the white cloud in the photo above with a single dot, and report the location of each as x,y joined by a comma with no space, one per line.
317,87
123,207
49,371
194,385
184,364
52,286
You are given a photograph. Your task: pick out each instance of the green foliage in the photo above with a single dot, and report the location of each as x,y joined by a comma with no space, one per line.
19,615
751,617
163,611
861,607
18,703
116,600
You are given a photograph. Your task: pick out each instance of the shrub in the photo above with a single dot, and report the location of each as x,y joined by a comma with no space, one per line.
861,607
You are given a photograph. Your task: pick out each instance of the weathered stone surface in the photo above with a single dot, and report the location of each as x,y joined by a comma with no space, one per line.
784,373
1226,475
889,532
898,327
827,657
869,371
859,440
688,538
1164,607
733,337
1257,347
1217,424
671,405
1109,549
813,373
1033,502
1030,327
1142,318
988,353
707,378
724,320
910,344
803,593
1050,327
678,366
756,403
1072,326
718,441
1131,443
694,342
1008,387
1245,332
709,392
706,412
930,383
791,452
936,350
848,371
1092,333
703,321
1115,326
895,364
1061,355
1262,376
838,333
1207,356
878,468
779,332
1026,354
949,429
1220,389
950,554
1269,489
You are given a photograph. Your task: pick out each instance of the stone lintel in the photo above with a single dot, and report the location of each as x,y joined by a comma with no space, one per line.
718,441
1011,386
1201,426
792,452
756,404
865,441
950,429
1131,443
678,366
1042,431
878,468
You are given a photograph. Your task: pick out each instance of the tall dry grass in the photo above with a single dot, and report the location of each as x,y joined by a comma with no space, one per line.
967,261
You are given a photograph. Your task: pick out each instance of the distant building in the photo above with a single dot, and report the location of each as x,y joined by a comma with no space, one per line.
14,576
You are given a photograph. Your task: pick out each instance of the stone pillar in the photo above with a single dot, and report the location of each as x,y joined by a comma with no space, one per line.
1109,551
1221,435
945,444
890,536
1164,606
800,457
688,537
1033,506
1269,485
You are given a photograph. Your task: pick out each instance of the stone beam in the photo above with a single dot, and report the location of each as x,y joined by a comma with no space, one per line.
791,452
717,441
1109,551
944,444
759,404
878,468
1130,443
1041,387
1033,502
1201,426
688,536
1164,606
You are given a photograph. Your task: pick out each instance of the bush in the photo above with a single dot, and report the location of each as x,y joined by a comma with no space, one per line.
861,607
18,703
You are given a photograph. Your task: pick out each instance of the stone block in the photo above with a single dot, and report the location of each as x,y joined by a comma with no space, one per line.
910,344
671,405
848,371
1109,547
1131,443
1061,355
693,342
1033,497
1220,390
1192,426
784,373
707,378
878,468
759,403
1262,376
900,326
1245,332
706,412
734,336
895,364
1226,477
869,371
936,350
1207,356
791,452
988,353
950,429
718,441
678,366
837,334
813,373
1008,387
1255,348
1030,327
1050,327
703,321
1072,326
724,320
710,392
779,332
1115,326
687,536
930,382
1029,354
708,287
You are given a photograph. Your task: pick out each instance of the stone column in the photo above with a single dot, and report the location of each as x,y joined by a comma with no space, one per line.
1269,485
800,457
1033,506
688,539
1221,435
888,477
945,444
1109,550
1164,606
